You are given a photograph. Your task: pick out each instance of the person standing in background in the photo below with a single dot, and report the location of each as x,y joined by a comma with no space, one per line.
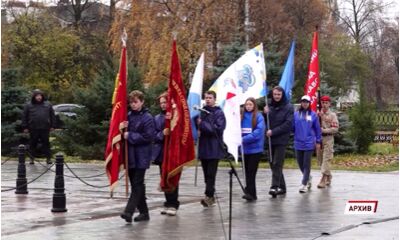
38,120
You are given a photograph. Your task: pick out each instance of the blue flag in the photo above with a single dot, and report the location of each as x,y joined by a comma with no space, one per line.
287,79
194,98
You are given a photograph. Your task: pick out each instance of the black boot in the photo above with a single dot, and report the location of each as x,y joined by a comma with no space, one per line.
127,217
280,191
142,217
249,197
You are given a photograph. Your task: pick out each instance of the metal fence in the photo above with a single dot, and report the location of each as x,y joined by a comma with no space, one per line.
387,126
386,120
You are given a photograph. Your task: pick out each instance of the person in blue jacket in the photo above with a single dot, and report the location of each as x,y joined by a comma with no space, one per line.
307,137
253,135
211,125
140,133
171,203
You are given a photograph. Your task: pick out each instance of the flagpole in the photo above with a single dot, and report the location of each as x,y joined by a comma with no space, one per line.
268,128
197,164
126,168
243,163
124,38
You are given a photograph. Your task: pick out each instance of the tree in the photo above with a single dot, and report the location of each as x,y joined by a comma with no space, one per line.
358,18
382,86
229,54
86,135
198,25
13,98
53,59
362,130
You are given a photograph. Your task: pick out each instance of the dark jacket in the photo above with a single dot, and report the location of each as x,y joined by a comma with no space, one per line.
141,133
38,115
211,128
280,120
158,145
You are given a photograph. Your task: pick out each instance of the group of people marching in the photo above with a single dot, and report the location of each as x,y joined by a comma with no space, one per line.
312,131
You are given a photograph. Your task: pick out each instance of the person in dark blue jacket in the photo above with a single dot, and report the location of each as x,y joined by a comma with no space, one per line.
253,135
280,113
211,125
171,204
140,133
307,137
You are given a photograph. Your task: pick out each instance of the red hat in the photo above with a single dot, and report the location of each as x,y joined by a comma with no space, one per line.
325,98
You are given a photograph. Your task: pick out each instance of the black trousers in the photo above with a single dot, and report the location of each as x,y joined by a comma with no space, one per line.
210,167
251,162
278,157
43,136
171,198
137,198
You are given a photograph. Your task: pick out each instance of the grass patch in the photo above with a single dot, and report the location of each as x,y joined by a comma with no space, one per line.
383,148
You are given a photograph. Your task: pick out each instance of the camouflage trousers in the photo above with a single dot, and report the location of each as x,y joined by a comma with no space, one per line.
325,155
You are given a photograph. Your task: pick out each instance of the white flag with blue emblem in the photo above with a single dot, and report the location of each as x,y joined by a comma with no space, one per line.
247,73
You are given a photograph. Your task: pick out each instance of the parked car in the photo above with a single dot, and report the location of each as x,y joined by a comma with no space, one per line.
65,110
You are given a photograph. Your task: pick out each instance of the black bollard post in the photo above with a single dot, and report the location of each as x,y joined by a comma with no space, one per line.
22,183
59,199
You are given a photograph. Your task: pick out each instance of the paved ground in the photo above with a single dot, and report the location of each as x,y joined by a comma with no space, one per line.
92,214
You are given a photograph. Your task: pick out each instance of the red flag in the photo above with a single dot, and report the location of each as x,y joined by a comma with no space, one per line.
114,151
313,80
179,144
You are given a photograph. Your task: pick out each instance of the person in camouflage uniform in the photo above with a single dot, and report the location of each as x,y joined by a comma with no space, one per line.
329,126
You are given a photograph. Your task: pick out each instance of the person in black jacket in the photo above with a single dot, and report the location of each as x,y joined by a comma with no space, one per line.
280,113
171,204
38,120
211,125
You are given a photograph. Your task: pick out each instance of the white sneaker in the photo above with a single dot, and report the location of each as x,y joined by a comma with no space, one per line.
171,211
303,189
309,182
164,211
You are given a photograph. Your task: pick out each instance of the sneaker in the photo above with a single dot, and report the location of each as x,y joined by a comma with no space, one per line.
303,189
171,211
49,161
32,161
207,201
309,182
164,211
126,216
142,217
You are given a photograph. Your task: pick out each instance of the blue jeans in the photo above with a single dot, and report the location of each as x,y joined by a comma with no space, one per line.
304,160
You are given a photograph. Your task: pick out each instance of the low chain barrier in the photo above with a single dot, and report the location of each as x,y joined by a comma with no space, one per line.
49,169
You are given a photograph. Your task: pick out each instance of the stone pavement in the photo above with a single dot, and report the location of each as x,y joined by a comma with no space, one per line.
92,214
